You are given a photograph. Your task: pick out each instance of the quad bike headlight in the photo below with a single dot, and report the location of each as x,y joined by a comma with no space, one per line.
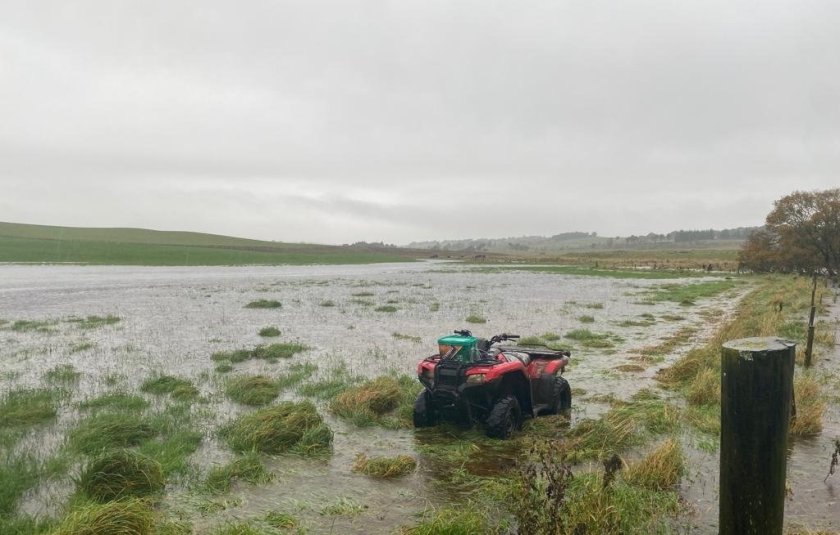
476,379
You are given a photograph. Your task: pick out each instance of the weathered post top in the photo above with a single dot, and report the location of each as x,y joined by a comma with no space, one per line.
756,394
758,345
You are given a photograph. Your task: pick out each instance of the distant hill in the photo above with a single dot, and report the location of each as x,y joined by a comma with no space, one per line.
590,241
134,246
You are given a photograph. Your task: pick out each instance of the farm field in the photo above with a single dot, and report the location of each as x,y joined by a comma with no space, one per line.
180,368
140,247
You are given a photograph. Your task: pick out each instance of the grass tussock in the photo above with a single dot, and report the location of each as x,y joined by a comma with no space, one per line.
287,427
94,322
384,467
591,339
27,407
451,521
270,352
119,474
116,401
178,388
18,474
100,432
704,388
810,406
264,303
586,319
269,332
384,401
252,390
125,517
386,308
42,326
661,469
248,468
475,318
296,374
62,374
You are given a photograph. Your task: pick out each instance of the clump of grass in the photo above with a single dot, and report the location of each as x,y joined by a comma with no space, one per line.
363,294
434,307
271,352
279,520
400,336
94,322
660,469
384,401
384,467
287,427
82,346
343,507
116,475
386,308
178,388
63,373
26,407
43,326
594,306
131,516
688,294
239,528
704,388
116,401
363,302
475,318
224,367
264,303
592,339
586,319
252,389
451,521
99,432
18,474
248,468
672,317
550,337
269,332
327,303
531,341
810,406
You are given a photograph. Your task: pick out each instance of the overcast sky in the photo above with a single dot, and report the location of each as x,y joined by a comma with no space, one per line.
409,120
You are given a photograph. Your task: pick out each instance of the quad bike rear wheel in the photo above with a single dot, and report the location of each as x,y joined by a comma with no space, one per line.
423,413
505,417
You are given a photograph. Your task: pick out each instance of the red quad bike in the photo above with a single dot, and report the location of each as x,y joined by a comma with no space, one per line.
473,380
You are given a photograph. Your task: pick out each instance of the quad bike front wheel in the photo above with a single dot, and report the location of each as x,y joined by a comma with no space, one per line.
505,417
423,413
561,396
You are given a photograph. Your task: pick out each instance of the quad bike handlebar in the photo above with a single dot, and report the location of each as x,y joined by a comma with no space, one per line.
502,337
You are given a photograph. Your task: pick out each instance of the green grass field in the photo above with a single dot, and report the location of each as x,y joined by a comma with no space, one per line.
118,246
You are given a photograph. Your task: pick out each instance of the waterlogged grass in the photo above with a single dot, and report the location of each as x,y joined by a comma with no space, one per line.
18,474
582,271
116,475
43,326
270,352
384,401
100,432
410,338
23,408
62,374
287,427
252,390
592,339
178,388
766,310
130,516
688,294
269,332
280,520
94,322
264,303
384,467
386,308
115,401
248,468
810,406
453,521
296,373
475,318
661,469
586,319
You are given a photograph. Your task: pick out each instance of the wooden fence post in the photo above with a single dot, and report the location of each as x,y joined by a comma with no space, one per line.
809,344
756,395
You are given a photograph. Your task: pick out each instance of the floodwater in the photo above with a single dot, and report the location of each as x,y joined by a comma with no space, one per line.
174,318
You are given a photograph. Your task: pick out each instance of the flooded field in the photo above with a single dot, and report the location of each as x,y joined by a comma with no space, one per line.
93,331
